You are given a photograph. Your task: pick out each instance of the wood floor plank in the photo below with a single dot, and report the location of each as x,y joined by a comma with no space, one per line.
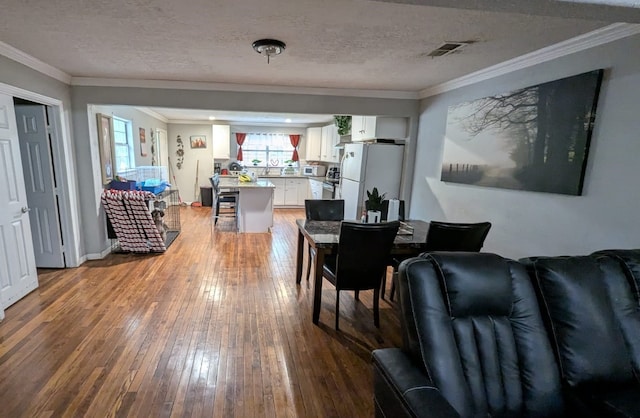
214,327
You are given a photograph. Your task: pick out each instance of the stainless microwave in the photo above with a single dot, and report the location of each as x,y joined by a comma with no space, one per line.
314,170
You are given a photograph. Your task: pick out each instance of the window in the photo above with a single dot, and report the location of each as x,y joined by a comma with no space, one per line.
271,149
123,141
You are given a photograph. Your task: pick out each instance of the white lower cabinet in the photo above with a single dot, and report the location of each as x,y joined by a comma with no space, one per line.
278,192
302,190
290,191
315,187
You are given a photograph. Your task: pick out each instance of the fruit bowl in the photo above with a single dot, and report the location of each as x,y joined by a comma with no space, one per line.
245,178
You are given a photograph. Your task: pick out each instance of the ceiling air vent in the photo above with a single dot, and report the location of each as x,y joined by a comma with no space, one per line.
447,48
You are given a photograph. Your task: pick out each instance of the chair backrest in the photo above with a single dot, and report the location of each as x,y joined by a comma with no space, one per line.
363,251
324,209
385,210
447,236
472,320
215,183
590,304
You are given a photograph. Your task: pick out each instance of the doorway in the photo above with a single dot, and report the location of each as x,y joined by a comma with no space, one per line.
60,149
36,134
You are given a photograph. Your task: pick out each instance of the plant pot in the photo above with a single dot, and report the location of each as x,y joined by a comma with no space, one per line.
373,216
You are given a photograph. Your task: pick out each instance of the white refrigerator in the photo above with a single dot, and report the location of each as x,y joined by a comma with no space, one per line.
365,166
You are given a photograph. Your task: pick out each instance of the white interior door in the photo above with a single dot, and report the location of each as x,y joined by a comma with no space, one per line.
33,132
163,148
18,275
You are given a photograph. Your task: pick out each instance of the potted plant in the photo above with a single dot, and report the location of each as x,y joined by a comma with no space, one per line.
256,161
289,168
343,122
373,205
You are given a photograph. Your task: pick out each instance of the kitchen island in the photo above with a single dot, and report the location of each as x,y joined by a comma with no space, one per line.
255,203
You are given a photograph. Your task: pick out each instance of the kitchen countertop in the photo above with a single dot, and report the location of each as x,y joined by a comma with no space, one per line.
227,182
278,176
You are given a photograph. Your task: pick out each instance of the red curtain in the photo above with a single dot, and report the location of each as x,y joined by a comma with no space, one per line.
240,140
295,140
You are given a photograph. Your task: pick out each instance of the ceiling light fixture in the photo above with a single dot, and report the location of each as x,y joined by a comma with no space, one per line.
212,118
268,47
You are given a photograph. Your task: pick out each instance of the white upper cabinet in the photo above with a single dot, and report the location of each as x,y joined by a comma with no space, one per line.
364,128
330,139
314,144
221,140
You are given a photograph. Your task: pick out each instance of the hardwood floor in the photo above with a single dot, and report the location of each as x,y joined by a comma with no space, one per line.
214,327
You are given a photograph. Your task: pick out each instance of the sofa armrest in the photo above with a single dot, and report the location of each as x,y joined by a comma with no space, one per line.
401,389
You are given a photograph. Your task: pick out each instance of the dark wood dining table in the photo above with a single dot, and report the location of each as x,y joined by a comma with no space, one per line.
323,236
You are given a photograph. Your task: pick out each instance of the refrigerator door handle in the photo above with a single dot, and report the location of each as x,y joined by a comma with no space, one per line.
344,156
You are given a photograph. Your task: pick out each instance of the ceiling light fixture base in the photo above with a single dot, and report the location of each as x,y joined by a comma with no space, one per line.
269,47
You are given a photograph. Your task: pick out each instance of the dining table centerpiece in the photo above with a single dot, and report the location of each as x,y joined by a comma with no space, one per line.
373,205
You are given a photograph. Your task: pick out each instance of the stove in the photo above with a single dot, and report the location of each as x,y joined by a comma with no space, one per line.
329,188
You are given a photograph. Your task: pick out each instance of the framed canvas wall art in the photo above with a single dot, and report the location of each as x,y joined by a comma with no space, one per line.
105,145
535,139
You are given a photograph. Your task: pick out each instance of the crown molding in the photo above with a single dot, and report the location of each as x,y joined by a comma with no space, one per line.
242,88
29,95
579,43
152,113
33,63
237,123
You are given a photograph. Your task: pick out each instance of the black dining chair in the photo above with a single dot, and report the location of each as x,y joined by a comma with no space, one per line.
226,202
392,262
361,259
450,236
322,210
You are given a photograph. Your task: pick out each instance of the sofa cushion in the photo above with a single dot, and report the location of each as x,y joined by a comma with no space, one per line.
624,292
574,295
472,319
611,401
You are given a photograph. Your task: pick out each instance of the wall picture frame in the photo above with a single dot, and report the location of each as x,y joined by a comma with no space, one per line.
198,141
105,146
532,139
143,142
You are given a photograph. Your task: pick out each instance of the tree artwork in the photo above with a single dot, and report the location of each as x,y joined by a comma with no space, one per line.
536,138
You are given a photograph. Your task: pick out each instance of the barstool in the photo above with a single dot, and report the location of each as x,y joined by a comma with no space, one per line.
226,202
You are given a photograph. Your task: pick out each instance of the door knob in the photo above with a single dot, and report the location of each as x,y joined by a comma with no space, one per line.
25,209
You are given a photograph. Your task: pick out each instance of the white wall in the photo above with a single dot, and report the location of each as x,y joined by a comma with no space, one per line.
201,158
529,223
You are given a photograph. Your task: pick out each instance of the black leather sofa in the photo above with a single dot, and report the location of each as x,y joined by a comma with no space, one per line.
484,336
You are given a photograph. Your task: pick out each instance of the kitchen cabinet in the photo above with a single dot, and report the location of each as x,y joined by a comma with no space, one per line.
315,188
314,144
290,191
330,139
278,192
221,139
364,128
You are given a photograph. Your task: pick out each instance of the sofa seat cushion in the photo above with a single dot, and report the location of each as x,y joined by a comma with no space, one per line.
615,401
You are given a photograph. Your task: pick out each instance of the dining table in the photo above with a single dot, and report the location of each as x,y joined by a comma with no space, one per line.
324,237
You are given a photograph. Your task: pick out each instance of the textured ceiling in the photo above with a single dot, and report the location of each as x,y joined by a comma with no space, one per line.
337,44
355,44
